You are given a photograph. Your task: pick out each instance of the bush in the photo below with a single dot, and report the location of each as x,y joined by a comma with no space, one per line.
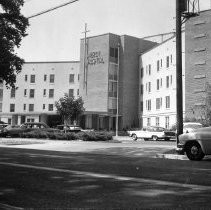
85,136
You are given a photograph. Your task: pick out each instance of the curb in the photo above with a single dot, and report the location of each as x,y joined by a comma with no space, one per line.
172,156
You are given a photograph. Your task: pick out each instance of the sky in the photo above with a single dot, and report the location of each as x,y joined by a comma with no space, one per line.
55,36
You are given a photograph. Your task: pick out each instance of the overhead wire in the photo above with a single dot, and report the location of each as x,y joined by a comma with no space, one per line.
51,9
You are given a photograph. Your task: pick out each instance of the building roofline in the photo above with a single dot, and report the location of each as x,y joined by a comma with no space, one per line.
100,35
159,44
30,62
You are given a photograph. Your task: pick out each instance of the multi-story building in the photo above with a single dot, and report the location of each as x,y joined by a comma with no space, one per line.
106,60
198,64
158,85
39,85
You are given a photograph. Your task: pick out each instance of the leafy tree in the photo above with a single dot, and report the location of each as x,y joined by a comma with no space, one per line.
69,108
12,29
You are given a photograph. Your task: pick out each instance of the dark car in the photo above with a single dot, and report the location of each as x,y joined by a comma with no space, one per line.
2,126
16,130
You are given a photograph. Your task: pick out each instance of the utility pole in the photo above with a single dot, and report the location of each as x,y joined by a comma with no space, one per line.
85,56
179,93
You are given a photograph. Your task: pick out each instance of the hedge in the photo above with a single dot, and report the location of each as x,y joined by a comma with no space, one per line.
85,136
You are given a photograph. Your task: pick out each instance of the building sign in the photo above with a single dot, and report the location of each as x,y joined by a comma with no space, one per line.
95,58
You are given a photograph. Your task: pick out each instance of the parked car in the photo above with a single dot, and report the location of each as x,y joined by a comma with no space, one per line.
152,132
16,130
2,125
196,144
69,128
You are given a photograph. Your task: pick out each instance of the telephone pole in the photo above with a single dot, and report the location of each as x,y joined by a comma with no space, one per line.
85,56
179,93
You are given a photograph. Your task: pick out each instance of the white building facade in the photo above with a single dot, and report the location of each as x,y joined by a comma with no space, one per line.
158,85
39,85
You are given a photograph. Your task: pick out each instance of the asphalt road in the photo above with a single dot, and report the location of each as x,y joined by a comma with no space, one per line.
114,176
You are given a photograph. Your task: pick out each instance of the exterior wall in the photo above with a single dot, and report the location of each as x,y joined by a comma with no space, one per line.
159,115
98,84
95,94
61,85
129,78
198,63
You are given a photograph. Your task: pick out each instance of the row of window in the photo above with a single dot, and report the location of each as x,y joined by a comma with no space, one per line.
148,68
159,84
50,93
31,107
157,121
51,78
159,104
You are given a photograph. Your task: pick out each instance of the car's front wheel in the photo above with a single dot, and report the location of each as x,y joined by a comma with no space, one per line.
194,151
154,138
134,137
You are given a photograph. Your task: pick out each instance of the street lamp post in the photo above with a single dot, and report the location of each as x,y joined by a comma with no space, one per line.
117,100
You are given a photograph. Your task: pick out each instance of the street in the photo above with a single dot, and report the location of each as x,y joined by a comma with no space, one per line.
101,176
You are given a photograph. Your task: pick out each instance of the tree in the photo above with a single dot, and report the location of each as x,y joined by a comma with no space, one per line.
69,108
12,29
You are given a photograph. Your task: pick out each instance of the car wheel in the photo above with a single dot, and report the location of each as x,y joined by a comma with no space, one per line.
134,137
167,139
154,138
194,151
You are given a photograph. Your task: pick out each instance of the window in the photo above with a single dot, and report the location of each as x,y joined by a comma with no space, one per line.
161,82
12,107
44,92
25,92
1,94
32,80
24,107
171,58
148,121
171,79
78,77
167,61
158,65
141,106
158,84
148,105
158,103
51,93
157,121
12,93
149,87
31,93
142,72
43,106
113,52
0,107
142,89
161,63
167,81
149,69
167,122
9,121
50,107
167,102
26,77
52,78
31,107
71,93
45,77
78,92
71,78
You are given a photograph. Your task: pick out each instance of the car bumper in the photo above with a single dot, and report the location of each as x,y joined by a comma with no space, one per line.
180,148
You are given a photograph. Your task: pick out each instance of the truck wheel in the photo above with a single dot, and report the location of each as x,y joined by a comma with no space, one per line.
134,137
194,151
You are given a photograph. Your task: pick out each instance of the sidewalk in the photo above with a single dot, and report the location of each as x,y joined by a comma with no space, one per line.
160,151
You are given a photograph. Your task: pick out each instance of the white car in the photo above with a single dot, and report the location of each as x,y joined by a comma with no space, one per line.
151,132
196,144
